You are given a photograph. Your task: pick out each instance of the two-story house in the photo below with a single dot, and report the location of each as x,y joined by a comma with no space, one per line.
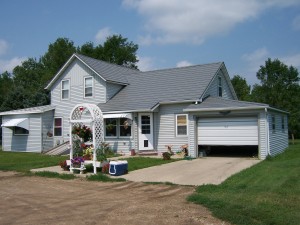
145,111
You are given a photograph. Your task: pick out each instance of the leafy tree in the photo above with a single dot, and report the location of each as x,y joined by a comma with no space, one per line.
6,85
279,87
242,89
115,49
56,56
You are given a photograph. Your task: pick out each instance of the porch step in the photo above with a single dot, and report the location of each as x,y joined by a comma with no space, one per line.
62,149
147,152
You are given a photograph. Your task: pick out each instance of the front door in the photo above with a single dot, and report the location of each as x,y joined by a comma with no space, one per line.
145,131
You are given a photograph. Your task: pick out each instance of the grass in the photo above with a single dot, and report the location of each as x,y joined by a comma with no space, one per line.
55,175
24,162
136,163
104,178
267,193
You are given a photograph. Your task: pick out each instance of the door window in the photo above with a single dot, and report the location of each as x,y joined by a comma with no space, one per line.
145,125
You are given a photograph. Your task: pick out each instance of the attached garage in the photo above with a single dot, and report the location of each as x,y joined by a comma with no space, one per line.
228,131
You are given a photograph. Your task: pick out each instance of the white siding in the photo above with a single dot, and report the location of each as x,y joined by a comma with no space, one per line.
47,126
76,73
213,88
263,135
23,143
193,146
278,138
165,130
112,89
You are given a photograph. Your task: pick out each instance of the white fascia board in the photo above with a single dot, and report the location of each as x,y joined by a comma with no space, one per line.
223,109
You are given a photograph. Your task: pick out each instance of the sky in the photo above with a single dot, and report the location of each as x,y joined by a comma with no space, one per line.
170,33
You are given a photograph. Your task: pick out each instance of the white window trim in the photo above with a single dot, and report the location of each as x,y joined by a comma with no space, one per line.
20,134
61,90
84,87
62,126
176,126
118,136
220,80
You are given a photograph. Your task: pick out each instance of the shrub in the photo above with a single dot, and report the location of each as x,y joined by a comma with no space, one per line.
166,156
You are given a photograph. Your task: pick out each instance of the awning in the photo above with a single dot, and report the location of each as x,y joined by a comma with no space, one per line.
120,115
20,122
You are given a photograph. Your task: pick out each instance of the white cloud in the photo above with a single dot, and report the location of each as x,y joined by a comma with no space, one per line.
9,65
291,60
102,34
296,23
183,63
145,63
193,21
3,47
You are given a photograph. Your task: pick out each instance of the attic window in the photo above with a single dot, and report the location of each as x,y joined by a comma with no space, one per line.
220,86
88,87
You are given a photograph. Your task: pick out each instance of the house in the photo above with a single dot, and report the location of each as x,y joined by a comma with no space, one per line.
194,105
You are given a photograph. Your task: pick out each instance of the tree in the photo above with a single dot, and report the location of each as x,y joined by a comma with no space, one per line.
242,89
115,49
279,87
56,56
6,85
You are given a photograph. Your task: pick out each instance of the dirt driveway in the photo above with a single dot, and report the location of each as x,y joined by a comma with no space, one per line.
36,200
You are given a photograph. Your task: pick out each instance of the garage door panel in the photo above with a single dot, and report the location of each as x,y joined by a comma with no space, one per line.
228,131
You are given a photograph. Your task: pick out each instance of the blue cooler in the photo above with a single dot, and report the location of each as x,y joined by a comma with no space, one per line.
118,168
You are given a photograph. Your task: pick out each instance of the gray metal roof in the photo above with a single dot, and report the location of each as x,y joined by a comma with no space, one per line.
147,89
110,72
213,103
38,109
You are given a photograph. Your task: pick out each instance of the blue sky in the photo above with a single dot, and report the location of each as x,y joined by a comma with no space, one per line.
170,33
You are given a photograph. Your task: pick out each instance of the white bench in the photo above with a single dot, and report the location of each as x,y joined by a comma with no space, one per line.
86,162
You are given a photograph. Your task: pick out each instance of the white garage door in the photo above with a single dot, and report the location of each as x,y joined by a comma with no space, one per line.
228,131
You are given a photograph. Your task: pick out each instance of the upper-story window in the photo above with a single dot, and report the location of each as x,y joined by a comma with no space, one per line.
220,86
65,89
88,87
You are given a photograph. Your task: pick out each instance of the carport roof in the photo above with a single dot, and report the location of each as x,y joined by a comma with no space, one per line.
217,103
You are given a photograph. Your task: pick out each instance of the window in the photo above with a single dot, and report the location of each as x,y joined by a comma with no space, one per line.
20,131
65,89
117,127
181,125
111,127
88,87
273,124
58,127
145,124
125,127
220,86
282,124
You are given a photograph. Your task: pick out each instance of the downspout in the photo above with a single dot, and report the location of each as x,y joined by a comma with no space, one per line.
267,132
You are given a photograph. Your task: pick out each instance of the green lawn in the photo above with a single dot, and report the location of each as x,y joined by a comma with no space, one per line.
267,193
23,162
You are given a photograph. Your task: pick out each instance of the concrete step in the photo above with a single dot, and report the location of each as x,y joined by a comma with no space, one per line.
147,152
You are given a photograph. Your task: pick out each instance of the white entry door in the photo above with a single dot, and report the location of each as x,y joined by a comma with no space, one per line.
145,131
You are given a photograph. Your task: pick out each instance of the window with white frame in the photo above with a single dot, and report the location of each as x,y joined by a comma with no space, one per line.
20,131
117,127
220,89
181,124
57,127
88,87
65,89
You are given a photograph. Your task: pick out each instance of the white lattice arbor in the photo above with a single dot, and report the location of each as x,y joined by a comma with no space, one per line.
91,116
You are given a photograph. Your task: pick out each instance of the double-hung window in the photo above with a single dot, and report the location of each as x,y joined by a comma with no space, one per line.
58,127
88,87
65,89
181,125
117,127
273,124
220,86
